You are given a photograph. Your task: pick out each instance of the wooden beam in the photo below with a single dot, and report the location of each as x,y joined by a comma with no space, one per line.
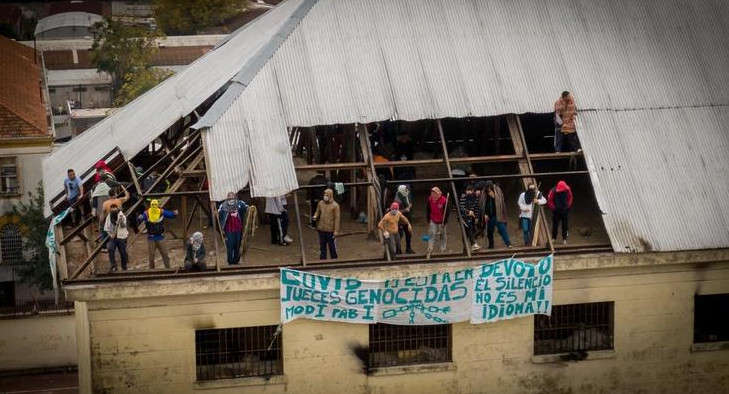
331,166
464,237
300,228
364,142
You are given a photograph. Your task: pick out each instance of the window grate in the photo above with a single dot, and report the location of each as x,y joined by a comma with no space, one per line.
405,345
574,328
11,244
238,352
711,318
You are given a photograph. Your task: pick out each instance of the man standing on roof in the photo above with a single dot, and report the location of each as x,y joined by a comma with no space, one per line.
402,198
495,214
232,214
326,219
114,199
115,225
470,213
74,190
437,214
154,221
389,225
527,201
101,170
565,112
559,201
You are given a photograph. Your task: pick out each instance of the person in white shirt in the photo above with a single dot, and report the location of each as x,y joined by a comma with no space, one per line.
527,200
277,215
116,226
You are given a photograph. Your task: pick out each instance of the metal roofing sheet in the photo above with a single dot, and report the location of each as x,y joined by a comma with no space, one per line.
660,175
66,19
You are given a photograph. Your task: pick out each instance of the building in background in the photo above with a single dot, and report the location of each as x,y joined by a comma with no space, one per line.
66,25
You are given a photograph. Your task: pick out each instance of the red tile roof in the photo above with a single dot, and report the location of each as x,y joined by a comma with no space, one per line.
165,56
22,109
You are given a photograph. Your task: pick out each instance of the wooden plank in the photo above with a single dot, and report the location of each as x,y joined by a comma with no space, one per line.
300,229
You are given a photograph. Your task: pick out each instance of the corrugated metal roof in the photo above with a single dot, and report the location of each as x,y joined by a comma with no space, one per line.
661,176
133,127
66,19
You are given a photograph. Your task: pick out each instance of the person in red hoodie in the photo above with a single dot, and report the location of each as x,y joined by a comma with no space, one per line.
101,169
559,201
437,214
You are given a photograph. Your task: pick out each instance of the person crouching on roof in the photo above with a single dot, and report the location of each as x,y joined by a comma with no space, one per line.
232,214
326,218
389,225
154,221
195,253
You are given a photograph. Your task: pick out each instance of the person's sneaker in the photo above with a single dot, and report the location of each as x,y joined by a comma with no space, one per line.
475,247
104,250
410,251
288,239
284,243
579,151
554,240
509,246
564,242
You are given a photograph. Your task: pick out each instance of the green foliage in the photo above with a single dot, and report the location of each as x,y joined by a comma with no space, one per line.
177,17
125,52
137,83
36,270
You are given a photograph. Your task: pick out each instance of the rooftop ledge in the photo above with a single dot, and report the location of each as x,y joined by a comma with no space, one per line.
566,266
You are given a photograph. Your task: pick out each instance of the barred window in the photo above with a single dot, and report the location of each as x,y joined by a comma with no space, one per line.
238,352
404,345
711,318
11,244
574,328
9,183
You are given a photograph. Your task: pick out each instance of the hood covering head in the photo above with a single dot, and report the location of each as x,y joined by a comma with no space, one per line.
402,189
437,193
154,213
231,202
196,240
562,186
329,193
100,164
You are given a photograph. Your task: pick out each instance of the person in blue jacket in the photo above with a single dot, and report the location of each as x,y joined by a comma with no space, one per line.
232,214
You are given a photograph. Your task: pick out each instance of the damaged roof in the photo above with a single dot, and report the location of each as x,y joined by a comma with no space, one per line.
650,80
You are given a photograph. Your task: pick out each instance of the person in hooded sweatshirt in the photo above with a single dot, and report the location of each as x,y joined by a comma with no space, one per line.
232,213
495,214
153,219
527,200
559,201
115,225
390,225
195,253
402,198
326,218
437,214
470,213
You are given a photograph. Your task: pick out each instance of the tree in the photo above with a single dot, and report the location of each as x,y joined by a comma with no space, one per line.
125,53
36,270
192,16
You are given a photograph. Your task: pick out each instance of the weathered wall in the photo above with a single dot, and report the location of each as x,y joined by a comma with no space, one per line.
147,345
29,170
37,342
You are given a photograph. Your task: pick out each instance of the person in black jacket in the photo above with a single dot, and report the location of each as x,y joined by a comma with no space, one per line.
470,213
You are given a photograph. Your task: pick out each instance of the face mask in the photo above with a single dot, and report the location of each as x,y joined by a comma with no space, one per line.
114,215
393,212
231,201
326,198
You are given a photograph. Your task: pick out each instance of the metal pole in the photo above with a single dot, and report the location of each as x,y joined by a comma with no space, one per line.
300,229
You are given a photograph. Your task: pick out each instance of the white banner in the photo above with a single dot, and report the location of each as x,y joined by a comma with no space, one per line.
495,291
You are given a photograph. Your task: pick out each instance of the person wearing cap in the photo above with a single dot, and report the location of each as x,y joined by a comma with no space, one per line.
232,213
495,214
402,198
154,221
527,200
437,214
195,253
470,213
559,201
390,225
326,218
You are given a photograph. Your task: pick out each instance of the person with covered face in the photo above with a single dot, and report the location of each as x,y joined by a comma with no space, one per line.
559,201
402,198
495,214
232,213
471,214
528,200
154,221
390,224
116,226
195,253
437,214
326,218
